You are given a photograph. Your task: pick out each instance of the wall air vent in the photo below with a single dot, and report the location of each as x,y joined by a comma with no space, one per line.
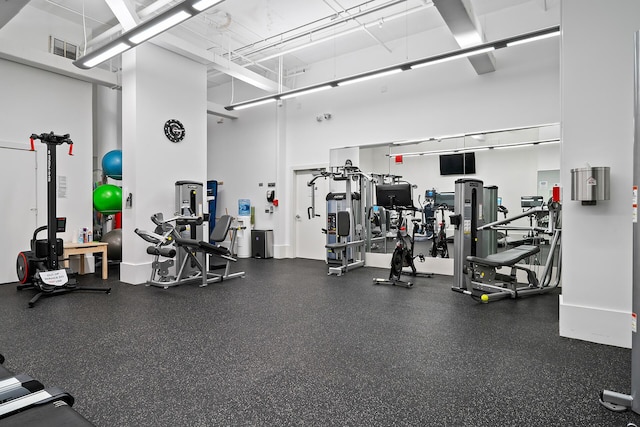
63,48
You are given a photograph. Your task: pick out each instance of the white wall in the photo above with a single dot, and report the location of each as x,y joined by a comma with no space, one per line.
35,101
241,160
108,121
597,118
158,85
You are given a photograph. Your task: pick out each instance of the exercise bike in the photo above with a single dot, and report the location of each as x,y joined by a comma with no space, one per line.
440,246
39,268
403,254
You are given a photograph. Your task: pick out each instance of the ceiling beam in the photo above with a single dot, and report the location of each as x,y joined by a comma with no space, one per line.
213,61
124,12
13,50
9,9
127,17
459,17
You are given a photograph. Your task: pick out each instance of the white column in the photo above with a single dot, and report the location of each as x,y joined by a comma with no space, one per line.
597,128
158,85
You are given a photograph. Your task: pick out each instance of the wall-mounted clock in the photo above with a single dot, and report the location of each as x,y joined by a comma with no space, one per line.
174,130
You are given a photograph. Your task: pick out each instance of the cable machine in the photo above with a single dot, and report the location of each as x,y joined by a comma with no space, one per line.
346,235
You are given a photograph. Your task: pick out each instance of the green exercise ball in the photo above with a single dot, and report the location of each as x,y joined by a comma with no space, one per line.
107,199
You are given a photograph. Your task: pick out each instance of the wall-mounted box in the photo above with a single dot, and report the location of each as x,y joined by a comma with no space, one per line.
590,184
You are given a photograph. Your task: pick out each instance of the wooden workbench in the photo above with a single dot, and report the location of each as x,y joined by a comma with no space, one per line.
87,248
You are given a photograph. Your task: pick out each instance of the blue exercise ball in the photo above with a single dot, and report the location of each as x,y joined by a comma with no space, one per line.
112,164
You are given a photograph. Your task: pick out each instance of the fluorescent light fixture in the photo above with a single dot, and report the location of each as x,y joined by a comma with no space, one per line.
109,53
551,141
369,77
507,147
160,27
407,142
533,39
452,135
205,4
254,104
144,31
436,59
479,148
306,92
451,58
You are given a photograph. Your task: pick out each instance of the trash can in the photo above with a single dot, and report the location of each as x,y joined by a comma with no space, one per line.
262,243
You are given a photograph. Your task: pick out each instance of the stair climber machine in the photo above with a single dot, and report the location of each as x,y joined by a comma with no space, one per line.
39,268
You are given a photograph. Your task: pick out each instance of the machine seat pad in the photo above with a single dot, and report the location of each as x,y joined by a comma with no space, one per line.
343,245
168,252
506,258
336,245
187,242
214,249
204,246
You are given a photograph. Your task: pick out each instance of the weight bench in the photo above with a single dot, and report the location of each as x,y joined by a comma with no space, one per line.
342,245
490,285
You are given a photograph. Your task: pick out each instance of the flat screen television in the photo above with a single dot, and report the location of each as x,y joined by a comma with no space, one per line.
393,196
446,199
458,164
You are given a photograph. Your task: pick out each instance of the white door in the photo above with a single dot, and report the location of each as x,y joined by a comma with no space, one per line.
310,239
18,212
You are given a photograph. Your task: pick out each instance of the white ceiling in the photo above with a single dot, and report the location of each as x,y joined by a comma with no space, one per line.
254,33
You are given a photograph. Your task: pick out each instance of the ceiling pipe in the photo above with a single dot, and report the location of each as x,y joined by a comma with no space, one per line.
397,68
320,28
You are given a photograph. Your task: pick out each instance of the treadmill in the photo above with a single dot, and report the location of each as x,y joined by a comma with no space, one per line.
25,402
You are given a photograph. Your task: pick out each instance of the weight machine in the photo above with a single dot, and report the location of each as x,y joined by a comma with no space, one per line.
39,267
179,249
347,239
476,270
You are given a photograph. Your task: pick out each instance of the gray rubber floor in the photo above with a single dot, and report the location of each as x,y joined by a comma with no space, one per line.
289,345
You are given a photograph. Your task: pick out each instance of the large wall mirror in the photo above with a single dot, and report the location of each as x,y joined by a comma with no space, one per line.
521,161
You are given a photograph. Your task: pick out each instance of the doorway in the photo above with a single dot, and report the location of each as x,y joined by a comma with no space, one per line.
19,216
308,226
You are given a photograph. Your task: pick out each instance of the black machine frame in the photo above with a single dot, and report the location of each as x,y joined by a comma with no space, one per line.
44,255
399,197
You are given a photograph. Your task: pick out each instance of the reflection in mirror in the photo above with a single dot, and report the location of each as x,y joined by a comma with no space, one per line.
521,161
